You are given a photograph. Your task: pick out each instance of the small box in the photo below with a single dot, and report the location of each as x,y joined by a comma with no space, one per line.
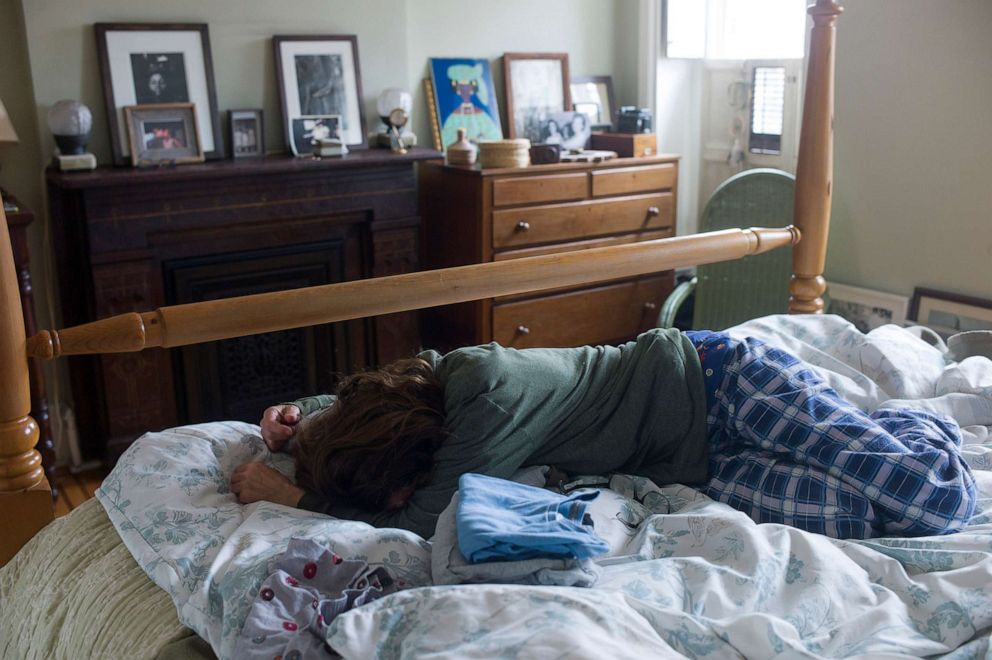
627,145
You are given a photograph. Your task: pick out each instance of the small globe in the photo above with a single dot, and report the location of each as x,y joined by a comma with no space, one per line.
70,123
390,99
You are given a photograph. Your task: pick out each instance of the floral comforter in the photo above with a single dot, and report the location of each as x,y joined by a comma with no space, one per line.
685,575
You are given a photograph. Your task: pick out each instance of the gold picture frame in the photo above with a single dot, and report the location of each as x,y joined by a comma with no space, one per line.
432,113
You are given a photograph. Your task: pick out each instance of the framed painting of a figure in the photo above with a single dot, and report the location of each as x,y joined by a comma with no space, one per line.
464,97
319,76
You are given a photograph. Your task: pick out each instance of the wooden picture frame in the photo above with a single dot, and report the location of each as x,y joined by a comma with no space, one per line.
532,83
163,133
865,308
247,133
316,63
432,113
597,90
148,63
949,313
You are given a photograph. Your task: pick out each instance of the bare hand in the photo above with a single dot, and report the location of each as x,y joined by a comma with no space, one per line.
279,425
252,482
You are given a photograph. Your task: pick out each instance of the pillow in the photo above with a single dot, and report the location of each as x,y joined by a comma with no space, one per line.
169,498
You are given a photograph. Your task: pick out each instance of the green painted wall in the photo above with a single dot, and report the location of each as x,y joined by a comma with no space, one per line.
912,198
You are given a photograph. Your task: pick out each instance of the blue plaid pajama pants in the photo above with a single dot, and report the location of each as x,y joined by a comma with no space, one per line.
786,448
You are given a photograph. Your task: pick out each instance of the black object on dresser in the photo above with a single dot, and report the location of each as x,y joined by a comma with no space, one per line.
133,240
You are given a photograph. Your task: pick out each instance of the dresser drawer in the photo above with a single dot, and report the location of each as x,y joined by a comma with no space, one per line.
590,316
627,180
537,189
569,222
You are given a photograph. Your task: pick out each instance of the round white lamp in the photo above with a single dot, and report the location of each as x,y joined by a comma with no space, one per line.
71,123
394,106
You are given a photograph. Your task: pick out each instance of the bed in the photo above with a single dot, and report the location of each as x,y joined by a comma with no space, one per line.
165,548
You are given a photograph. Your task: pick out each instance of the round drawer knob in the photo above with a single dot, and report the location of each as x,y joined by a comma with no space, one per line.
654,211
650,306
523,225
523,330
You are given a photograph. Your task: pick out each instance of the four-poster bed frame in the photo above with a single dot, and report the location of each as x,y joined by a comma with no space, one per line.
25,496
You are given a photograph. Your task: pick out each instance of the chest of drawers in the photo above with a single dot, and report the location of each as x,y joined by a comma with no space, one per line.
474,216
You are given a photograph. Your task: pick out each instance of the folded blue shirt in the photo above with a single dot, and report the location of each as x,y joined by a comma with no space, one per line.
504,520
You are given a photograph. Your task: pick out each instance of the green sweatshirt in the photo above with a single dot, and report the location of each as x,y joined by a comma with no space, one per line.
637,408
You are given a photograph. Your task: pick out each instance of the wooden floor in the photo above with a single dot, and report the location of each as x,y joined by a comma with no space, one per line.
74,489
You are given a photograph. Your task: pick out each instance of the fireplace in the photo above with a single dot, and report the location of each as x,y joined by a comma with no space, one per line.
133,240
238,378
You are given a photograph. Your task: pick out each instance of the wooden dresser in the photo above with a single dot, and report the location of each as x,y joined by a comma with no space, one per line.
136,239
472,216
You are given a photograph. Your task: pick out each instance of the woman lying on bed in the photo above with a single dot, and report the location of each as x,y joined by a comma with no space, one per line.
748,424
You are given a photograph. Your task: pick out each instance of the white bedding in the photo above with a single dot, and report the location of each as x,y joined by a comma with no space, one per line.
701,580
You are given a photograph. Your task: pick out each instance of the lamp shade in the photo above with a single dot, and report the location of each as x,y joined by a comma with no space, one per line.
7,133
70,122
390,99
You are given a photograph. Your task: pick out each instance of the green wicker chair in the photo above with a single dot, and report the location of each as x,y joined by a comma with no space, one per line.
731,292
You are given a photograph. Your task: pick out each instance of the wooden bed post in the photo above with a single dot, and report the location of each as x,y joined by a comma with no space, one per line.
814,171
25,496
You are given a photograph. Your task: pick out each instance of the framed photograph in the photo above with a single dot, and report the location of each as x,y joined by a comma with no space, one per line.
318,76
571,130
463,97
152,63
536,86
307,130
163,133
432,113
247,133
950,313
593,97
865,308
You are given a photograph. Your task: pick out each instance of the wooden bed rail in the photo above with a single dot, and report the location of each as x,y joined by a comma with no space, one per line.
25,496
194,323
815,168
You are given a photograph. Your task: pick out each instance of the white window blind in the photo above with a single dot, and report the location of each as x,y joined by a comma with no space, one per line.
767,110
735,29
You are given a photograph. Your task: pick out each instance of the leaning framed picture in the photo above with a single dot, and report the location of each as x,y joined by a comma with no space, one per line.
163,133
950,313
464,97
318,76
309,129
593,97
149,63
247,133
865,308
537,85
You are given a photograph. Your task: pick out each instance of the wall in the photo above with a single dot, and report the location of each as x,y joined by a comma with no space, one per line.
912,199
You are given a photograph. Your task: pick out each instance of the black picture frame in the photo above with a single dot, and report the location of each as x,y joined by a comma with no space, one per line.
119,77
351,106
949,313
603,83
246,133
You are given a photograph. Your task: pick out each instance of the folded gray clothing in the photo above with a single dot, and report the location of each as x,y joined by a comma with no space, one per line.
309,587
449,566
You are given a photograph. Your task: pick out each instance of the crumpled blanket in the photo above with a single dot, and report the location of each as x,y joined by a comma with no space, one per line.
308,588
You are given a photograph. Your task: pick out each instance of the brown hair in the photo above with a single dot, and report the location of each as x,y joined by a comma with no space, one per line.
378,437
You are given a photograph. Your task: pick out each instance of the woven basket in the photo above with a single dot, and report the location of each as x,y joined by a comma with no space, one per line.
504,153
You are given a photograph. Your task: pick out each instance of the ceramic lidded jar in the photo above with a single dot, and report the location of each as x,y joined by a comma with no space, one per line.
461,151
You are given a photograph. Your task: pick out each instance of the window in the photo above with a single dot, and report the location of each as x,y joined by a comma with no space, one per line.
735,29
767,110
